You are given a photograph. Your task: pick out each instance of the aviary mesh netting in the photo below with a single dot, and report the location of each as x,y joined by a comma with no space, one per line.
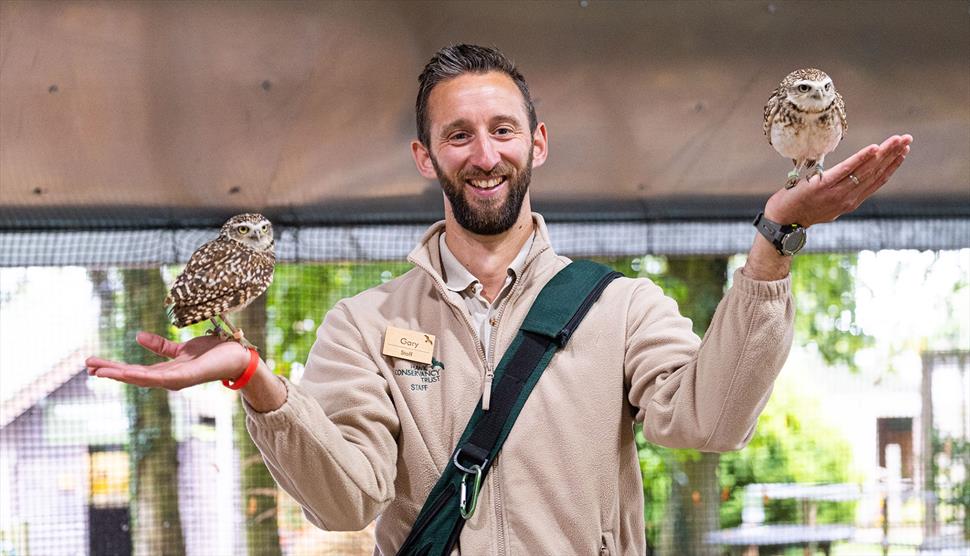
864,444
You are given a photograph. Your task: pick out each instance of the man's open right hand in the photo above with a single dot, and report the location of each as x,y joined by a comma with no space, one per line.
199,360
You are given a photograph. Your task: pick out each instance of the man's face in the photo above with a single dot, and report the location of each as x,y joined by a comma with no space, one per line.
481,149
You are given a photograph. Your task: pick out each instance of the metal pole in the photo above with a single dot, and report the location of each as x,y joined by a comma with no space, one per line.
926,417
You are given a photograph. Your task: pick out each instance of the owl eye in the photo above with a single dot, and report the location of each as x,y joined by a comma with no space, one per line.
265,227
828,86
803,88
243,230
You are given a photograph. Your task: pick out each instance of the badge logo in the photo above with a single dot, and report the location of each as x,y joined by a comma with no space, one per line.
422,378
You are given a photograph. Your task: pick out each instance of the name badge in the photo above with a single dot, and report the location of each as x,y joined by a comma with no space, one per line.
408,344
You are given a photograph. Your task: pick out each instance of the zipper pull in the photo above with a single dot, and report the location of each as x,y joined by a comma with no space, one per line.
487,390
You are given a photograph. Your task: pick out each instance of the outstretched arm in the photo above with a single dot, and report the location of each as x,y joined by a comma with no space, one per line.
825,199
709,395
200,360
330,443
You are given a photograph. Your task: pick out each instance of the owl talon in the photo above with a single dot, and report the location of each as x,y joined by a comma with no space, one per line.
217,330
222,334
792,181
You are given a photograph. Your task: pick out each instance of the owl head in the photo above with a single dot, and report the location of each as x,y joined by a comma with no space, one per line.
809,89
251,229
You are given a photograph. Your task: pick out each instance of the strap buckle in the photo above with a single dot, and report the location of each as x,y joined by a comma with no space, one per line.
465,506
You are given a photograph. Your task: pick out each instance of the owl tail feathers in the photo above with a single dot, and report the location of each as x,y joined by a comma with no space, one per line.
180,317
176,319
169,303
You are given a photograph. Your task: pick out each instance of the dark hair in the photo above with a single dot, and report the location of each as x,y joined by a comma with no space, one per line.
455,60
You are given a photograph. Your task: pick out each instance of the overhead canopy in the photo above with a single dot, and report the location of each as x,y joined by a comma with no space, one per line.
160,114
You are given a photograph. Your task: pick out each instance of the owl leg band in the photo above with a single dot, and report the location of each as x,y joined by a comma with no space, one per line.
237,333
795,174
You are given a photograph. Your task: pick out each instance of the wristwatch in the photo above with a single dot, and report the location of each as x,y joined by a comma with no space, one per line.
788,239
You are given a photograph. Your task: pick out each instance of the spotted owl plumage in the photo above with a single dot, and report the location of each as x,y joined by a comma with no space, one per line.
226,274
805,120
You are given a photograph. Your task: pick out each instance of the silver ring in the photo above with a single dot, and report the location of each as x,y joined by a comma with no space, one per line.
854,179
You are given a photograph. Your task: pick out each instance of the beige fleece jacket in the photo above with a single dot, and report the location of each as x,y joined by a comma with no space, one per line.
365,436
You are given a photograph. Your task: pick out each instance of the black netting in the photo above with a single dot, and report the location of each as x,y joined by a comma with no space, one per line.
848,442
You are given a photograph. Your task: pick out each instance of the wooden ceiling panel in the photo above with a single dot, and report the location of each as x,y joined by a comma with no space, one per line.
275,106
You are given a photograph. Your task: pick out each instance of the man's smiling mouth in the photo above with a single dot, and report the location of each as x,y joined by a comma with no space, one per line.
485,183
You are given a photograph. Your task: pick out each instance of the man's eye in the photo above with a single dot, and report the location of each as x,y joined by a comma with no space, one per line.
503,131
460,136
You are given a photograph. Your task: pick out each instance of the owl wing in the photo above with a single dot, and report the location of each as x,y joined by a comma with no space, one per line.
771,110
840,108
218,277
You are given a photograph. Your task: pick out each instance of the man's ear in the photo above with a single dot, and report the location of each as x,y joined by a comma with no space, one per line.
540,145
422,159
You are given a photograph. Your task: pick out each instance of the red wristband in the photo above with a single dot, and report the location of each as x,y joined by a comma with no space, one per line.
247,374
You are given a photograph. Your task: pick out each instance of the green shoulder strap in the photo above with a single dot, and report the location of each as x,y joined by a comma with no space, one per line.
554,316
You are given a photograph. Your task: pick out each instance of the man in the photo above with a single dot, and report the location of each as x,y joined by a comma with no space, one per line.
366,435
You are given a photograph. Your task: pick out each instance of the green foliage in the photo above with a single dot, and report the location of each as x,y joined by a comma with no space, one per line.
791,445
654,465
823,286
302,294
149,420
153,453
697,285
951,467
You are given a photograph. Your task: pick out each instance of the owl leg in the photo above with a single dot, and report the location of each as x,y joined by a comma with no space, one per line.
795,174
237,334
217,330
815,167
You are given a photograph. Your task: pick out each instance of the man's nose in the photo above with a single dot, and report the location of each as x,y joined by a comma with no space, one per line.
484,155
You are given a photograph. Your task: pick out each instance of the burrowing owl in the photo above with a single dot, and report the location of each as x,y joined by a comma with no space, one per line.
225,275
805,120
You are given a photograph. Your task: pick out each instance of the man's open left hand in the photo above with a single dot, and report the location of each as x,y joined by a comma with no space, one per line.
836,193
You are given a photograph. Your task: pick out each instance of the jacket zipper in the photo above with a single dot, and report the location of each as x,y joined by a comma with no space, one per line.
490,369
489,375
497,490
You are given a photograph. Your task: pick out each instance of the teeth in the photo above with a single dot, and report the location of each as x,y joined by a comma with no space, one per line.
486,184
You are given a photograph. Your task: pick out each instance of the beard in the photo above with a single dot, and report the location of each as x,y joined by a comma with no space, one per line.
488,216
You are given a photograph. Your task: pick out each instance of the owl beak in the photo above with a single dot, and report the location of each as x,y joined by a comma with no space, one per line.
817,95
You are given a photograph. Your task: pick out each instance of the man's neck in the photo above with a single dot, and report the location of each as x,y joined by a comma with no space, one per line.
488,258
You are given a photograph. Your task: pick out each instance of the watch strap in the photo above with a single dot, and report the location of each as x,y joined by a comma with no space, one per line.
777,233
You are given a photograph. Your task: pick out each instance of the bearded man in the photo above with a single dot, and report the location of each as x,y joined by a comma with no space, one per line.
366,435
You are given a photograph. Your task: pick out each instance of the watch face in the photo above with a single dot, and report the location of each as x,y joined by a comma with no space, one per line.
794,241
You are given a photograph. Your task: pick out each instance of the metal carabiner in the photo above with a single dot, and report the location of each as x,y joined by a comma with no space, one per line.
468,513
475,470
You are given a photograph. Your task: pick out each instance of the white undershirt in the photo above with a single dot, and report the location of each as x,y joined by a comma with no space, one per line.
482,313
